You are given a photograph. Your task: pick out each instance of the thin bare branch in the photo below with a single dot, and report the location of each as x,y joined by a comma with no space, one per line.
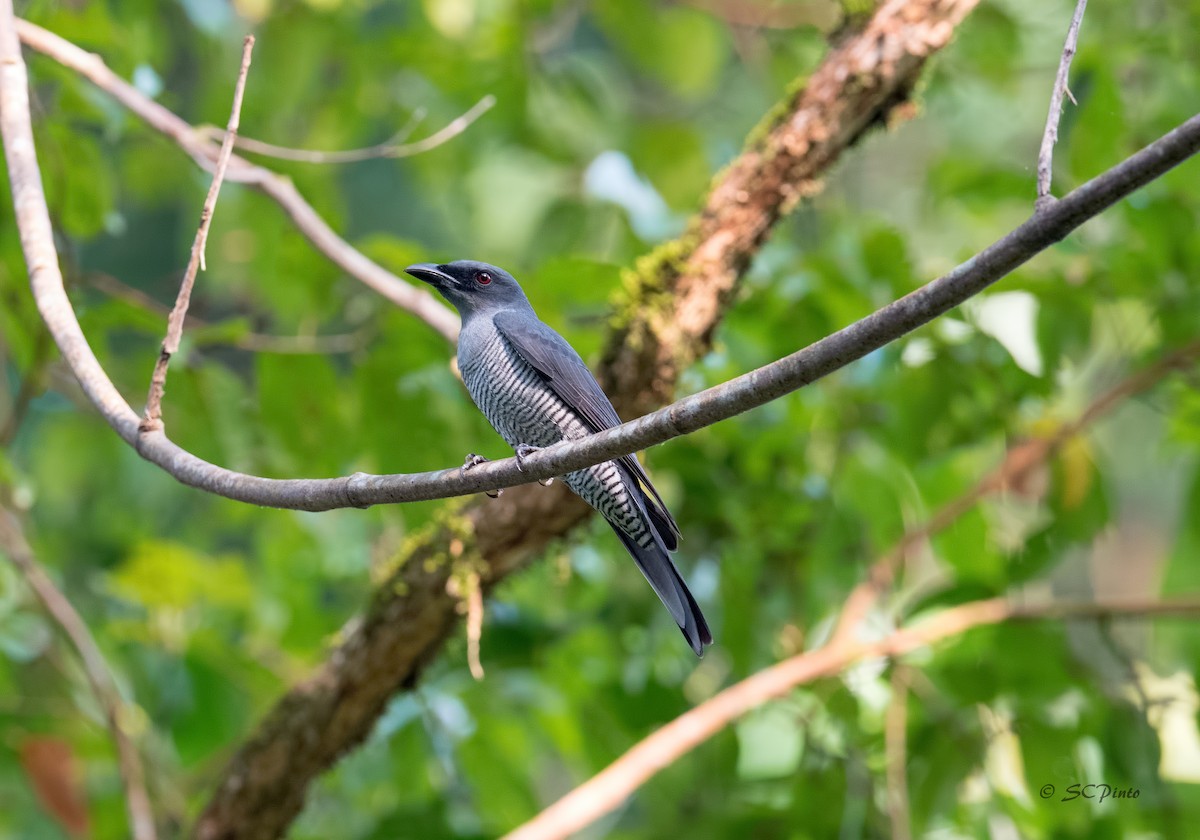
250,341
69,622
280,189
1050,136
152,420
1018,463
393,147
612,786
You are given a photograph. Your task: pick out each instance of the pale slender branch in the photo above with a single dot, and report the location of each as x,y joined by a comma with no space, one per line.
253,342
69,622
152,420
280,189
248,144
1045,164
607,790
390,148
688,415
1018,463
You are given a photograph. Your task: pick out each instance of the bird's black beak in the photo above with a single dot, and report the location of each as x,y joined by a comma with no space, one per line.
432,274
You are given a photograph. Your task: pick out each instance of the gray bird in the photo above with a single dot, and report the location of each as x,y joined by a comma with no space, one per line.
535,390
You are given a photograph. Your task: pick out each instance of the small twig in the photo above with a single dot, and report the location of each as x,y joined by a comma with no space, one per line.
152,420
393,147
614,784
895,732
248,144
1050,137
56,605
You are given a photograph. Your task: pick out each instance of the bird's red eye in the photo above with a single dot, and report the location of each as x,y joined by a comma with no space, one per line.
483,278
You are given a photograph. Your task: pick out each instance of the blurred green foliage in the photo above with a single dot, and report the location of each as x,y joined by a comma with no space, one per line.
610,120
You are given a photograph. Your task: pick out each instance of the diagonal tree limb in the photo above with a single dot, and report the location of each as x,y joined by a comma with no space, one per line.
648,351
606,791
412,614
1017,465
95,668
280,189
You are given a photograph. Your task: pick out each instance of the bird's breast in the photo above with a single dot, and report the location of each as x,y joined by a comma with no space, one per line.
512,395
523,408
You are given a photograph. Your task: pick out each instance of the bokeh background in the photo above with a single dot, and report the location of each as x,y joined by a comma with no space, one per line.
610,120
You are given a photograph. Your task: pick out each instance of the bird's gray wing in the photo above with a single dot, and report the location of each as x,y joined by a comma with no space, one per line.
570,378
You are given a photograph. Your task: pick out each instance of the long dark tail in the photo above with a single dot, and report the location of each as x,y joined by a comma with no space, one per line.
668,585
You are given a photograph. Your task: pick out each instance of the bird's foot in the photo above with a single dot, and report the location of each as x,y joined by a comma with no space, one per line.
474,460
523,451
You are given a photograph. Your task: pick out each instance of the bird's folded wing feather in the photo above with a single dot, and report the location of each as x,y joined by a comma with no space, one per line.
570,378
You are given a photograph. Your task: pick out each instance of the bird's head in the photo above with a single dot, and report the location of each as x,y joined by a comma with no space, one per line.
472,286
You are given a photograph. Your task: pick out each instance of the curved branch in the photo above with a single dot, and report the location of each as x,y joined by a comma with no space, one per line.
391,148
690,414
737,210
606,791
193,141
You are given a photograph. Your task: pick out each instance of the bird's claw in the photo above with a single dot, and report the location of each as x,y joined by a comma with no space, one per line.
473,460
523,451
